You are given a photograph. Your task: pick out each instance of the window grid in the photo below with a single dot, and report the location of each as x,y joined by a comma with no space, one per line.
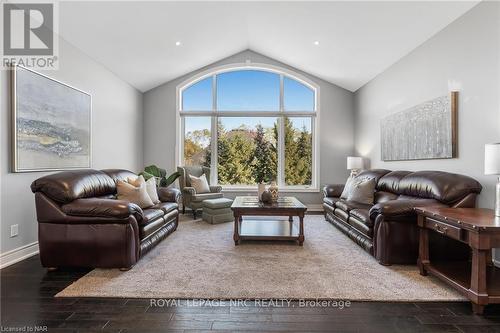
281,114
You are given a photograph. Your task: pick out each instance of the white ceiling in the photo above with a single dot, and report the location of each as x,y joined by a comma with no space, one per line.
358,40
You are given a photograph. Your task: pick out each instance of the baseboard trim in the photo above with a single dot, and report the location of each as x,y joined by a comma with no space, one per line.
13,256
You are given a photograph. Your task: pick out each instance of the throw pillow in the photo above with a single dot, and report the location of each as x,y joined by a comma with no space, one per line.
362,190
200,184
150,187
131,193
347,188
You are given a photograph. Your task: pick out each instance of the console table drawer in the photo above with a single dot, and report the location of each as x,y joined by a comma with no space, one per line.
444,228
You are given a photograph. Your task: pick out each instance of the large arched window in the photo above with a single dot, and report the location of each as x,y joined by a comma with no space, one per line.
250,125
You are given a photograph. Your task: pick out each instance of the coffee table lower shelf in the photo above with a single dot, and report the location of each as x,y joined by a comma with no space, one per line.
272,230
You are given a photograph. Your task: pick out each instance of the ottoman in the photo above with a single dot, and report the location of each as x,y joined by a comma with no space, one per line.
217,210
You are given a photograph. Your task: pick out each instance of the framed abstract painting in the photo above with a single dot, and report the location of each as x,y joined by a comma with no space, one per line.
51,123
426,131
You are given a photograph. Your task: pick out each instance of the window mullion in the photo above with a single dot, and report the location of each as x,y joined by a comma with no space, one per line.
281,138
213,143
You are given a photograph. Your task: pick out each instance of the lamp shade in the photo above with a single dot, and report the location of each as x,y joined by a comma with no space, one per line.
354,162
492,159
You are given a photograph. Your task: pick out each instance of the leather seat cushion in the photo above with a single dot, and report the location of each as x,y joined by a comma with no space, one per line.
347,206
149,229
166,207
205,196
330,201
344,216
362,215
151,214
361,226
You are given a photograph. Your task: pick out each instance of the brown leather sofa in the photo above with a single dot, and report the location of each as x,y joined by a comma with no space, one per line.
388,228
80,223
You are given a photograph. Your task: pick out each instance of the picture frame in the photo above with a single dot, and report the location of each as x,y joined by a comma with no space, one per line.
51,123
425,131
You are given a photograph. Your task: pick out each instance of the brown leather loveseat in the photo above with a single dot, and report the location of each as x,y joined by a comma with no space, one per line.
388,228
80,223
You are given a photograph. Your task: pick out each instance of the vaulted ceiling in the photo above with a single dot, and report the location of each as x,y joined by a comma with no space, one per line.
355,40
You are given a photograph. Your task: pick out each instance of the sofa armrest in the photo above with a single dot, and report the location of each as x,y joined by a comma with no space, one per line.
189,190
107,208
333,190
169,194
215,188
401,207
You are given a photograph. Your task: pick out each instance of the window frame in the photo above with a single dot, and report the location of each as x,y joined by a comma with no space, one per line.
280,114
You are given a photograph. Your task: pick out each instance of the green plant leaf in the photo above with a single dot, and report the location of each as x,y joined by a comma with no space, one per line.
146,175
155,171
167,181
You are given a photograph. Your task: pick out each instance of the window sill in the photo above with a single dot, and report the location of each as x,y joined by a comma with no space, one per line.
282,190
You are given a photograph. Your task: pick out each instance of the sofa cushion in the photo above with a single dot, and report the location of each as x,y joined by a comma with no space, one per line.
166,207
330,201
67,186
119,174
361,226
373,174
402,207
151,214
343,215
149,229
362,215
205,196
443,186
382,196
95,207
390,181
347,206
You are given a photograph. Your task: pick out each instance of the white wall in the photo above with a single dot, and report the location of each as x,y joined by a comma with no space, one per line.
467,51
116,137
336,126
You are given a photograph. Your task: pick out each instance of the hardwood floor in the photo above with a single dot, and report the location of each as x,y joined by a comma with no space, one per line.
27,299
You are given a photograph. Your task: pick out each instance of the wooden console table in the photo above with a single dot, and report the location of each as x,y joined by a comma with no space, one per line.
479,279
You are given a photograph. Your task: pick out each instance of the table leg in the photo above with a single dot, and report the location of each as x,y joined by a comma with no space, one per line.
301,230
477,309
236,235
423,250
478,278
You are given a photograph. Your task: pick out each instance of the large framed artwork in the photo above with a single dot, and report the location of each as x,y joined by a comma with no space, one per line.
425,131
51,123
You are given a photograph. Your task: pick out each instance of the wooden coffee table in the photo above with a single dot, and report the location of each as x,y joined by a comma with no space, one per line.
268,229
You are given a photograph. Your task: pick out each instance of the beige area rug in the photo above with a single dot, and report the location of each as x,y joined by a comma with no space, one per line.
200,261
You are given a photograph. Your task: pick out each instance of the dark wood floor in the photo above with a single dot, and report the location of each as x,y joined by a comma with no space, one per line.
27,299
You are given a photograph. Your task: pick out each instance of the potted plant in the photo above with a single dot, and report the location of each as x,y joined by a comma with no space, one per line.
160,174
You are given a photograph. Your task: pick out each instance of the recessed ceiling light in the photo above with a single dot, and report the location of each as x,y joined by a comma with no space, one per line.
316,42
177,43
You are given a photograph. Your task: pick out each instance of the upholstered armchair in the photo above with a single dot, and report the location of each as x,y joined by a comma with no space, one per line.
190,198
